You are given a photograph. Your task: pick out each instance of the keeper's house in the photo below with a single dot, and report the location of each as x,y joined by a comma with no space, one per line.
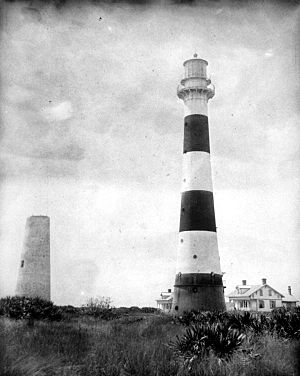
261,298
165,301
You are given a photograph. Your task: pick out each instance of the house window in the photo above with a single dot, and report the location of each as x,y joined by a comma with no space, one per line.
244,304
260,292
272,304
22,263
261,304
270,292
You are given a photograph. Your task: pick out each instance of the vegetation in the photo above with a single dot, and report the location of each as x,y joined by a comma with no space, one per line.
17,307
202,339
281,321
135,341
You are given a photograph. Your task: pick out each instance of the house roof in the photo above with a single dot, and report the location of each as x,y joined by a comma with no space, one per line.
244,286
289,299
165,297
249,292
170,298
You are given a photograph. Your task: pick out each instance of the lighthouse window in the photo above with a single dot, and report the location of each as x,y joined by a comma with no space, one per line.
176,308
181,240
195,289
195,256
22,263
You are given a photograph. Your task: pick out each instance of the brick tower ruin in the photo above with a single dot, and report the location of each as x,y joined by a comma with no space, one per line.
34,270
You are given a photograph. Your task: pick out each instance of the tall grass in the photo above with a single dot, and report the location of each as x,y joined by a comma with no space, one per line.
41,349
137,344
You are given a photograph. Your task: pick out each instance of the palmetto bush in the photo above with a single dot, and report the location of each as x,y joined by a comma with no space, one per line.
241,321
201,339
282,321
286,322
246,321
222,334
193,317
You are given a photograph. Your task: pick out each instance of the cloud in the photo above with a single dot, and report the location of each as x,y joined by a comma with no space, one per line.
31,14
68,74
61,111
269,53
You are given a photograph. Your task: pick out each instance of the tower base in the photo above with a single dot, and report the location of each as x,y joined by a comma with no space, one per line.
198,292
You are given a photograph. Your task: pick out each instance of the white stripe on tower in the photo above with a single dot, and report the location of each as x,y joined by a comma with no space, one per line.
198,253
195,104
196,172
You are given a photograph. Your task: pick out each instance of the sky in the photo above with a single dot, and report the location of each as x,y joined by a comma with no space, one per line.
92,133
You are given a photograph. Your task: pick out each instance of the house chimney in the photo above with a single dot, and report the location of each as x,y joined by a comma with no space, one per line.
264,281
244,282
289,290
169,290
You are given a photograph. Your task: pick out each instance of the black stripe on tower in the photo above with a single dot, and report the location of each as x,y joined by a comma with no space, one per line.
196,133
197,211
199,279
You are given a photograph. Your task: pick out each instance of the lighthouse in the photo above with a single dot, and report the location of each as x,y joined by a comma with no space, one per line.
198,281
34,269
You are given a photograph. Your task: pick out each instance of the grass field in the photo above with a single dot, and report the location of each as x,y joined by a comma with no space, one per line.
135,344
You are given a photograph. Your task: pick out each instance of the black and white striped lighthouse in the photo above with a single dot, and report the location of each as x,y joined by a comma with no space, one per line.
198,282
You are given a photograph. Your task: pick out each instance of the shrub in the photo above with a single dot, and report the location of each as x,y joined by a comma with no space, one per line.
100,308
17,307
1,308
122,311
149,310
134,309
69,312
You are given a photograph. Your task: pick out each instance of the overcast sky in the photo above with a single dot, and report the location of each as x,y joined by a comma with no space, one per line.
92,134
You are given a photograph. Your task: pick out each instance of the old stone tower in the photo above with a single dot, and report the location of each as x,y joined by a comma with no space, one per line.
34,269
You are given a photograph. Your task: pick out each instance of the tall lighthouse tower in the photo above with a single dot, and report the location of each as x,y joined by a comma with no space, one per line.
198,282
